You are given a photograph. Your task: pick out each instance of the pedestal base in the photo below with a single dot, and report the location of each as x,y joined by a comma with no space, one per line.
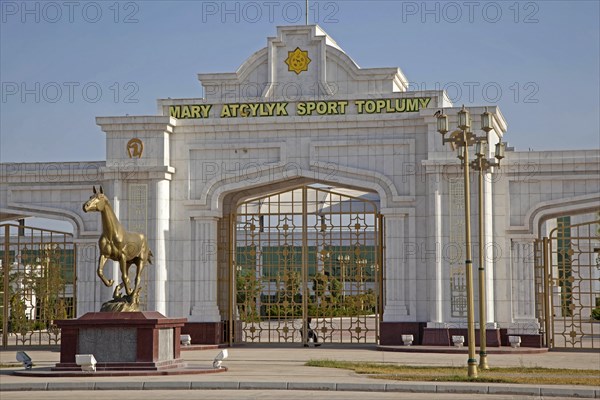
442,336
391,332
127,341
205,332
436,337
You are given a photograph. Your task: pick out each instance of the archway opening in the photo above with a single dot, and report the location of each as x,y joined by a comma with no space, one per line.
567,271
305,266
38,274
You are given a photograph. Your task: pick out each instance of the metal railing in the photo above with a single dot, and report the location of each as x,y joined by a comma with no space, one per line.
38,276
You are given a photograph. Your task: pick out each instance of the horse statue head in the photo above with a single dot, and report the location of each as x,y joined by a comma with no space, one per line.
96,202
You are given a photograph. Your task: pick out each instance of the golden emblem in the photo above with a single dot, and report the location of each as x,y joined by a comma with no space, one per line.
298,60
135,148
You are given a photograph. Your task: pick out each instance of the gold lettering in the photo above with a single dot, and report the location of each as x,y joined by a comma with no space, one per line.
262,110
225,111
244,110
370,106
395,105
270,108
321,107
359,105
400,108
343,105
254,108
175,111
300,108
412,105
185,112
332,107
233,109
389,108
424,101
281,109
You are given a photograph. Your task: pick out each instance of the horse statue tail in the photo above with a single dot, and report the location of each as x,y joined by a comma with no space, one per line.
150,255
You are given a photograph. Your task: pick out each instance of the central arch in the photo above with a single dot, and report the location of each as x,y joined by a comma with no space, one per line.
305,265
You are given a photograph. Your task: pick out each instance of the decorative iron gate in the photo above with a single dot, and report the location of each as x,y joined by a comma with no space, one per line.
307,262
569,308
38,276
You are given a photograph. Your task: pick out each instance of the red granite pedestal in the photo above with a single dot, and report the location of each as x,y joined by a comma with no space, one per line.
205,332
443,336
126,341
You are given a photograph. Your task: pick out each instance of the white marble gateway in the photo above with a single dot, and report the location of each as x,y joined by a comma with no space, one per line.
300,111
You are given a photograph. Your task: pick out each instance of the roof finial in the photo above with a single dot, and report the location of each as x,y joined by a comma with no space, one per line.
306,12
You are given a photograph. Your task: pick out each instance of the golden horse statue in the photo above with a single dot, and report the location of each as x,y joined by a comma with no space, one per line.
127,248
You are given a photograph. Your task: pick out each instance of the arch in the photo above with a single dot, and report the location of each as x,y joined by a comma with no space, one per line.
546,210
254,61
238,186
51,213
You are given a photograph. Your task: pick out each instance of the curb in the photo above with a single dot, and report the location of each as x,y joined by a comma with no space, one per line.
416,387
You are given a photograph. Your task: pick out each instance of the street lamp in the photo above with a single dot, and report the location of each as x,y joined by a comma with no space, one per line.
343,260
461,140
361,264
482,164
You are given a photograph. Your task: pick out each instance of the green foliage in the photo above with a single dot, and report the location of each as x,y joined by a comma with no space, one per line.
39,283
18,320
596,311
596,314
48,288
326,297
248,292
288,298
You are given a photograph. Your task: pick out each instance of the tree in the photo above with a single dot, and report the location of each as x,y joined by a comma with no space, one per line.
248,289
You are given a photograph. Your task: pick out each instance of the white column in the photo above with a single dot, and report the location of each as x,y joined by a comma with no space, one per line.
522,287
490,247
204,270
398,290
158,227
90,292
435,288
111,268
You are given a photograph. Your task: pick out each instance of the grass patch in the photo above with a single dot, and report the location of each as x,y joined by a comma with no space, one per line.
525,375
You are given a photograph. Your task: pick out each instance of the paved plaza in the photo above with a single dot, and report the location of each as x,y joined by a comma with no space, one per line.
279,372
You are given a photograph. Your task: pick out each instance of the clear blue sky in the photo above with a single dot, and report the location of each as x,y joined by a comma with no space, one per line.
542,55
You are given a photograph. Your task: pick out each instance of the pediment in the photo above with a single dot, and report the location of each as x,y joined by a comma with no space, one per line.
301,61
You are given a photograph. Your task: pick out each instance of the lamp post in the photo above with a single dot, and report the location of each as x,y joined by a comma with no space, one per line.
343,260
461,139
361,264
482,164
